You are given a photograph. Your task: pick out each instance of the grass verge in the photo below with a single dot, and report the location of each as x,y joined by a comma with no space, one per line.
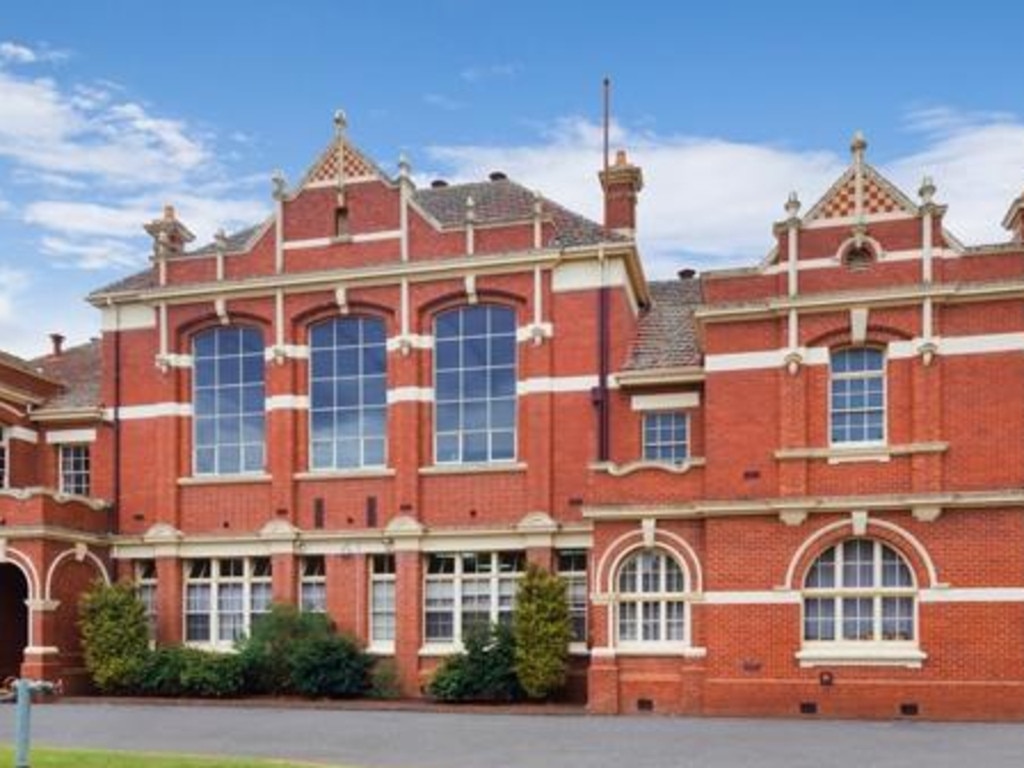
42,757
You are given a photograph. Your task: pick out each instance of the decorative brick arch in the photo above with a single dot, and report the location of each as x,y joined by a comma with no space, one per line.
905,543
81,554
629,543
24,563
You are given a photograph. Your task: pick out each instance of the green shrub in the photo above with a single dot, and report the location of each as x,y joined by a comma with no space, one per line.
212,675
115,636
384,682
484,672
276,637
329,667
162,672
543,630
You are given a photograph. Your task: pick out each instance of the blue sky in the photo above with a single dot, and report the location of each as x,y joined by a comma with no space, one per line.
109,109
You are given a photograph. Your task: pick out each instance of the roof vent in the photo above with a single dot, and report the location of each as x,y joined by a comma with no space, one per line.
438,184
687,274
498,176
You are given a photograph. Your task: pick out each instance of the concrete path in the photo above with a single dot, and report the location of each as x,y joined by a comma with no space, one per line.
376,739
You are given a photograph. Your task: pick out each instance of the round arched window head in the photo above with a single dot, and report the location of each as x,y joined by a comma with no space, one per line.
859,256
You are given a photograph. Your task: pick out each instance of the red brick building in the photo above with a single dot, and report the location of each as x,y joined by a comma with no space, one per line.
794,487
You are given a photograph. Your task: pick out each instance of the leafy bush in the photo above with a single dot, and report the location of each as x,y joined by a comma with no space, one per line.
332,667
276,638
212,675
162,672
484,672
384,682
115,636
543,630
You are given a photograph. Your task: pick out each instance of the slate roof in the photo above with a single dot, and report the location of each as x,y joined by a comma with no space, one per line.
667,334
495,202
18,364
79,370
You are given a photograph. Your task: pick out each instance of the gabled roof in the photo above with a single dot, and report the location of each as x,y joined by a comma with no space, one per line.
505,201
880,196
79,370
666,335
357,165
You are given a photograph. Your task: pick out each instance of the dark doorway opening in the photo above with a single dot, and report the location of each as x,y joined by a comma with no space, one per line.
14,624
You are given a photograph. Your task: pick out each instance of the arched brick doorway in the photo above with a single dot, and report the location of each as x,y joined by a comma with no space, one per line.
14,626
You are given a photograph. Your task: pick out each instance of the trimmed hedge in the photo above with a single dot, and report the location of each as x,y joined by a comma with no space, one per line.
486,671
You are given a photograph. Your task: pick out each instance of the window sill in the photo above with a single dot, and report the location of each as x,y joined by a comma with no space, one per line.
860,453
473,469
343,474
862,654
440,650
658,649
381,649
578,649
224,479
620,470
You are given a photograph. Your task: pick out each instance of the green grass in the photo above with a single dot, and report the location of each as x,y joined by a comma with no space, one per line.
85,758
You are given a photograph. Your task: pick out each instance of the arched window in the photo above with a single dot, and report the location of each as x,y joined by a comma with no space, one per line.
475,385
651,590
348,393
860,590
228,401
857,396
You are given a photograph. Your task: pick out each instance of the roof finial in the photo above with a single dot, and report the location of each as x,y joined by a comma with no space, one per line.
927,190
340,121
793,205
404,167
279,183
857,147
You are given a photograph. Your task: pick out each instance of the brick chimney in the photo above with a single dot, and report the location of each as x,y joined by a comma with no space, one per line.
1014,220
169,235
57,342
621,183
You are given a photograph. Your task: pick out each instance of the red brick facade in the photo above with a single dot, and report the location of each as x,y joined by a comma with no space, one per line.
812,538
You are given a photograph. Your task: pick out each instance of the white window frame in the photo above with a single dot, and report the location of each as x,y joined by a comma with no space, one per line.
501,588
662,598
74,466
881,374
659,414
577,591
218,413
360,409
381,603
876,649
487,401
255,588
313,584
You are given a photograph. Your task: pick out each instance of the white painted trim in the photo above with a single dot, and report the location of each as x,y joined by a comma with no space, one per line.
61,436
753,597
326,242
620,470
671,401
173,360
132,317
534,332
847,221
972,595
287,402
587,276
770,358
878,654
555,384
409,341
410,395
149,411
293,351
23,434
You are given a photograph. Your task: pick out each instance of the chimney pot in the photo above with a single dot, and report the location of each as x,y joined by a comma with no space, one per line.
169,213
686,273
498,176
620,157
438,184
57,340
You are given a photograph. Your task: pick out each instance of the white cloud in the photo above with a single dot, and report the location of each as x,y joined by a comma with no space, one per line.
475,74
91,254
16,53
441,101
710,202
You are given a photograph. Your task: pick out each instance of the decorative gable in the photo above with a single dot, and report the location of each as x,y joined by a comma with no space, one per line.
356,166
879,197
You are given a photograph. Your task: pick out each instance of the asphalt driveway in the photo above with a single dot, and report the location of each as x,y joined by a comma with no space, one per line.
379,739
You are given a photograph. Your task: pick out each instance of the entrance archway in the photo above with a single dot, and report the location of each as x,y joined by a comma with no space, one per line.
14,627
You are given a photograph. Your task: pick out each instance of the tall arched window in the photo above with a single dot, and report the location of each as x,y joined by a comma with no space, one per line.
859,590
475,385
228,401
857,394
651,590
348,393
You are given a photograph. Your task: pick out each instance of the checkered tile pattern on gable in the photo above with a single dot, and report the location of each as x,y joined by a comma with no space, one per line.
356,165
880,196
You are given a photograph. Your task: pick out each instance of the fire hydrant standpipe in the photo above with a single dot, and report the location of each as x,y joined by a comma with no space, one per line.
23,715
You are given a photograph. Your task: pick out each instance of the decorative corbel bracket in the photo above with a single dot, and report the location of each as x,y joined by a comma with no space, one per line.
928,350
793,362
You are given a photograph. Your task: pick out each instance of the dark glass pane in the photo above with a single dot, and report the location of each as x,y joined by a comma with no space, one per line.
229,342
503,320
474,446
474,321
446,355
204,345
252,342
447,448
446,325
230,457
322,364
448,417
322,393
503,446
